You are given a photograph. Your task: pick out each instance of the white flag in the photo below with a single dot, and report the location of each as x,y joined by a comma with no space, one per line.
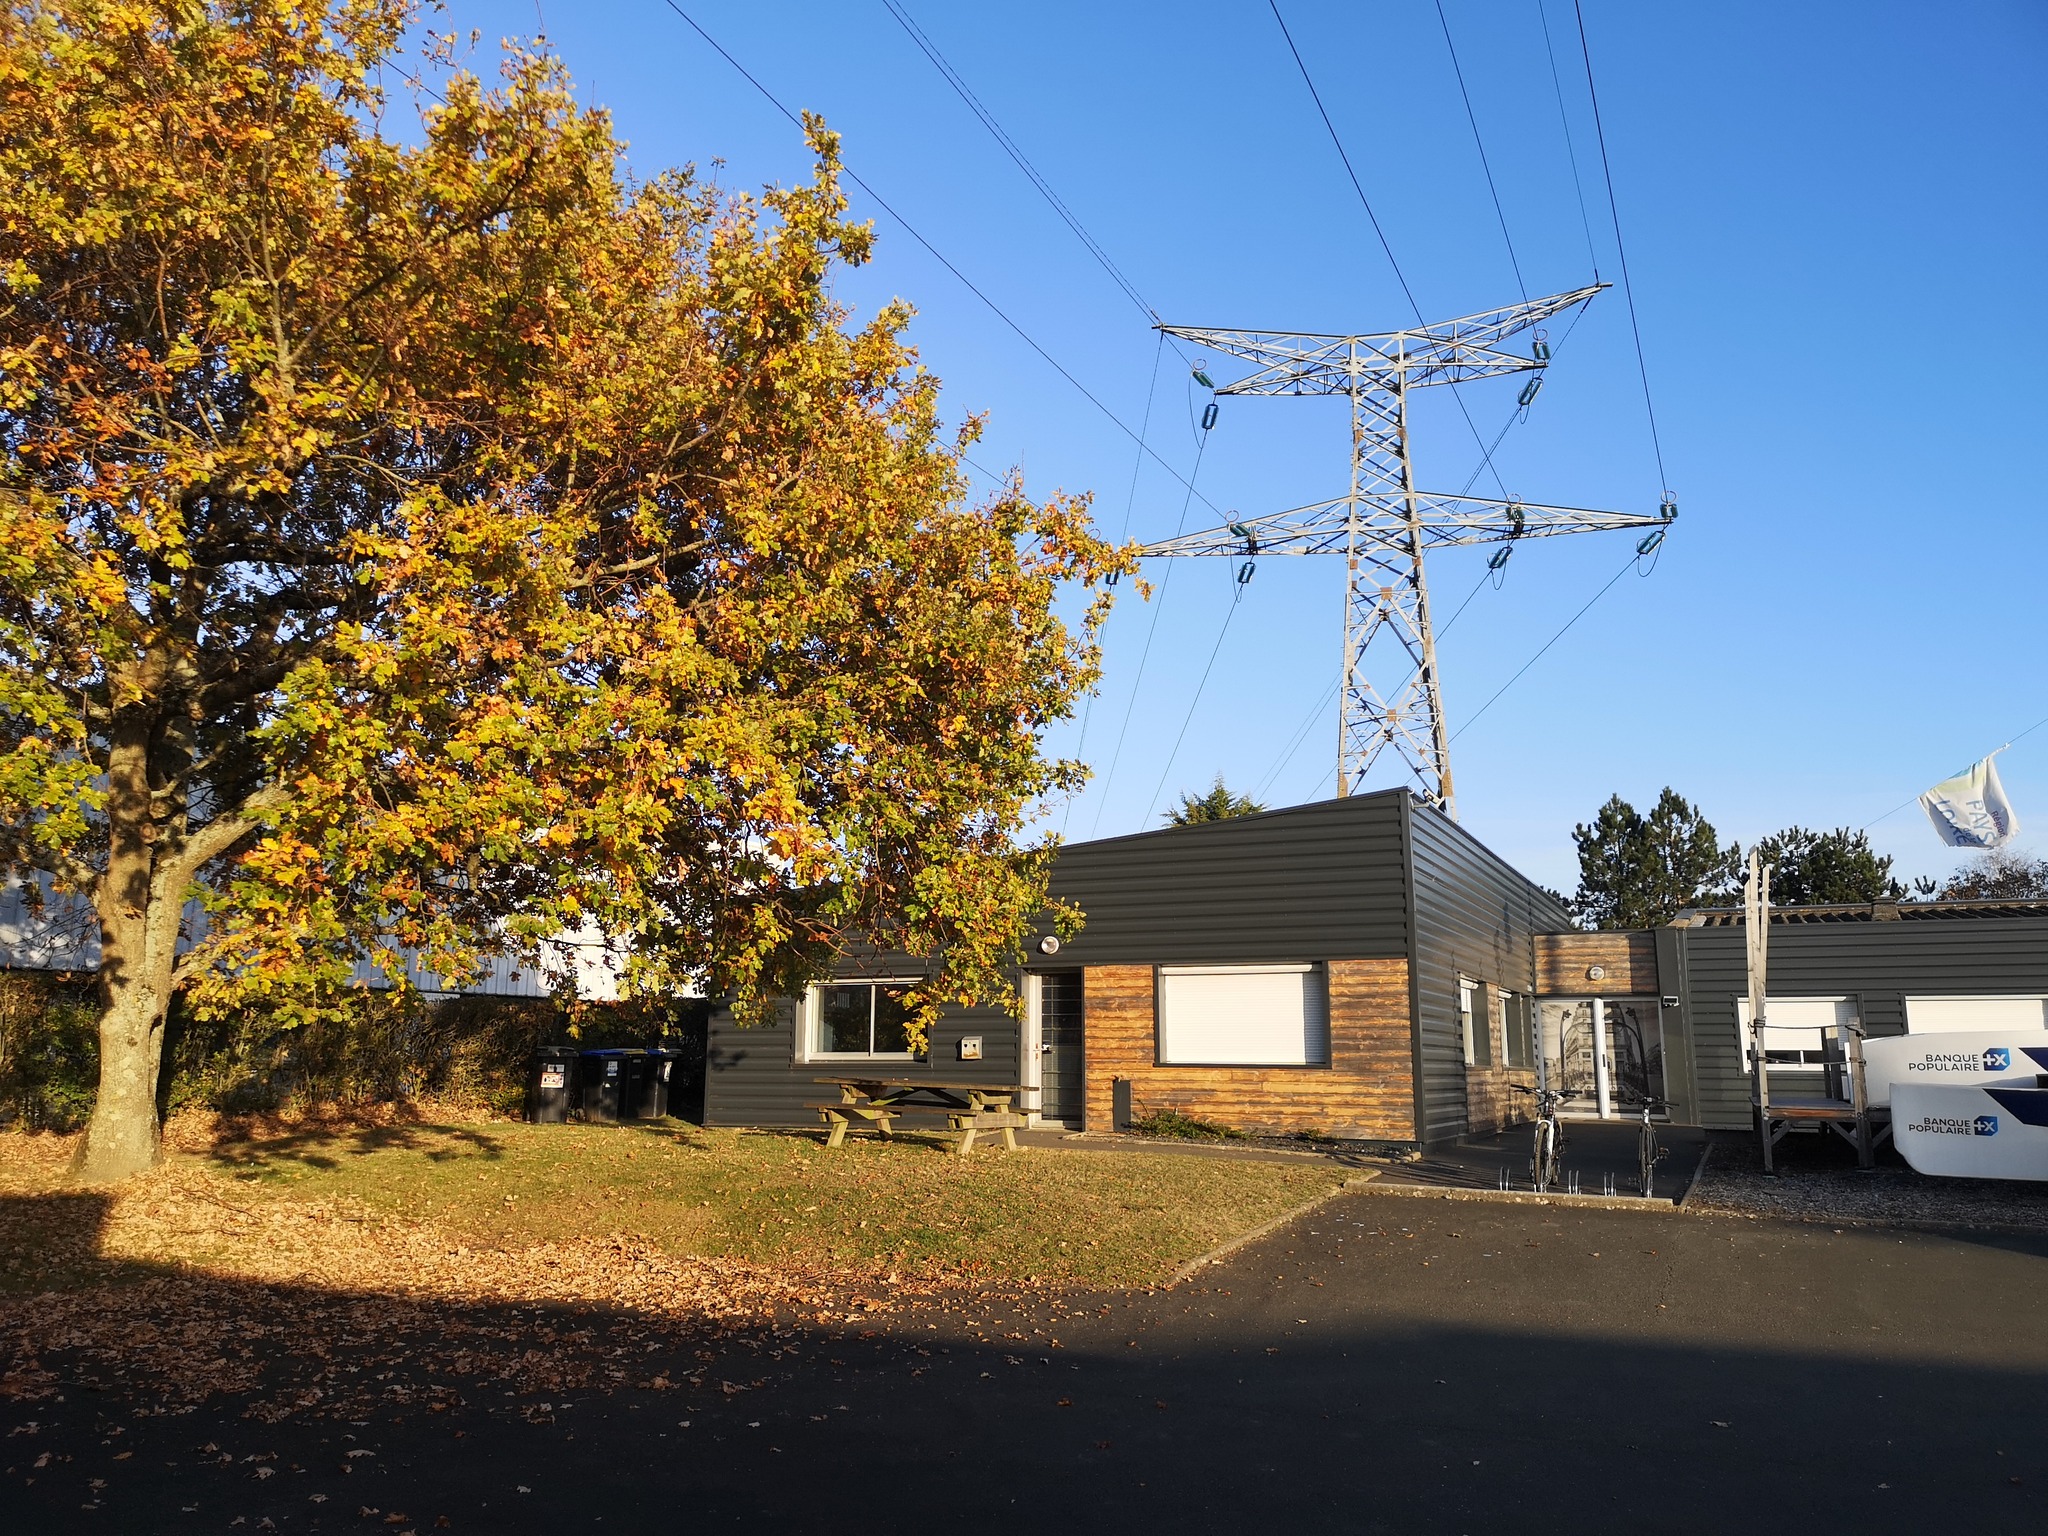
1970,810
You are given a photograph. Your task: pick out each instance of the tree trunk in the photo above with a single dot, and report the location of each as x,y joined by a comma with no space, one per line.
124,1137
139,901
138,953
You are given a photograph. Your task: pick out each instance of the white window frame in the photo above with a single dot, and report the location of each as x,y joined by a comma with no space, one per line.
1318,1027
811,1022
1505,999
1475,1013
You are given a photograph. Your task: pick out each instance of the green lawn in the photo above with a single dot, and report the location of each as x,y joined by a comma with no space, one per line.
1103,1217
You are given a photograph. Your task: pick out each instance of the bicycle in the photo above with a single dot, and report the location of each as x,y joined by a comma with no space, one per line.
1546,1151
1648,1153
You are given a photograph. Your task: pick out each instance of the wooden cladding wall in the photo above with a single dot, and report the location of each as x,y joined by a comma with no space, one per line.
1367,1090
1629,959
1491,1100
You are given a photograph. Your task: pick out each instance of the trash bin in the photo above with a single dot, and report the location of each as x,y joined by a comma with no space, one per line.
606,1097
551,1084
658,1071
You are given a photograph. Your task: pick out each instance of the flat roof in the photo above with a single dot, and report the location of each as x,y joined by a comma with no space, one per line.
1866,912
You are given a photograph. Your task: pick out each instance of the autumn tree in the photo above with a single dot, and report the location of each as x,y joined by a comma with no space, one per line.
434,542
1638,871
1219,804
2001,874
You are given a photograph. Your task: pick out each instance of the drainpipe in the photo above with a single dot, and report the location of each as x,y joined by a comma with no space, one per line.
1600,1059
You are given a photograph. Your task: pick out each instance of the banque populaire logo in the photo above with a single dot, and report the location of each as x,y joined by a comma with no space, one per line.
1997,1059
1987,1125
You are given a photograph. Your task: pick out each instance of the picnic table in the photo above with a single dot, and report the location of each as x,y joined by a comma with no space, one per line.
969,1107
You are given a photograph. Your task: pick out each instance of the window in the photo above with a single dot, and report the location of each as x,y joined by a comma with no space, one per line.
1475,1022
1517,1031
1798,1031
1243,1016
859,1018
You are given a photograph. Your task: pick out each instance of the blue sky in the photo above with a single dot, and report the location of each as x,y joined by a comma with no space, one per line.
1835,225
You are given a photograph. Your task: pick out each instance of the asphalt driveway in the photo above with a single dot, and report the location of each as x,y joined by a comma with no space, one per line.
1389,1363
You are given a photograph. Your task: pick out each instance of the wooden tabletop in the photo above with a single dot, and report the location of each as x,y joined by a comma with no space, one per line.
958,1085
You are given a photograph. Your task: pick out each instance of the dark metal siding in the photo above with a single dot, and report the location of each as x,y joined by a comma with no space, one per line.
1313,882
752,1076
1476,916
1879,963
1681,1086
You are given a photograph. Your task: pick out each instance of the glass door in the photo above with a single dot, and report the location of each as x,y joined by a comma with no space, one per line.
1603,1055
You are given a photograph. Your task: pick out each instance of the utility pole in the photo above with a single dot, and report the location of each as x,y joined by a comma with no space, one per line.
1384,526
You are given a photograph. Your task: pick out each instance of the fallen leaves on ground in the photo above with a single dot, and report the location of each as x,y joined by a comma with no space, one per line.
312,1307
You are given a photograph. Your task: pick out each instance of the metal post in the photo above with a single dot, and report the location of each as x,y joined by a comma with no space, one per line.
1866,1152
1433,701
1756,921
1600,1080
1354,638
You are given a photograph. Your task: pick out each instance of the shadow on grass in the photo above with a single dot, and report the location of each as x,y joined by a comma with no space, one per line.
1205,1409
328,1146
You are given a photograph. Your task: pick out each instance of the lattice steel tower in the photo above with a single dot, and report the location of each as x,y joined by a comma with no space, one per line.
1384,526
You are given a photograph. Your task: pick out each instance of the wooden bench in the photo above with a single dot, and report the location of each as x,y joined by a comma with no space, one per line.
970,1108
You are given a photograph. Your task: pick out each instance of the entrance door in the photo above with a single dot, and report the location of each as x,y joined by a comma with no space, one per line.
1623,1049
1059,1007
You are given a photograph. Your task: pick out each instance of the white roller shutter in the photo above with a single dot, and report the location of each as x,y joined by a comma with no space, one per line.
1243,1015
1946,1015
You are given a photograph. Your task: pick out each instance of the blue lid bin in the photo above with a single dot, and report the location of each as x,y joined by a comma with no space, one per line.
608,1084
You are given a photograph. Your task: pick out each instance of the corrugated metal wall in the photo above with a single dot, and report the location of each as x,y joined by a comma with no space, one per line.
1313,882
752,1076
64,936
1880,963
1477,916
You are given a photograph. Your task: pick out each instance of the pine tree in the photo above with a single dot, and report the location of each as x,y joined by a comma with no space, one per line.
1639,871
1220,804
1820,868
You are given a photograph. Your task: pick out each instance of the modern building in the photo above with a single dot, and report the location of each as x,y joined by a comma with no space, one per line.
1366,968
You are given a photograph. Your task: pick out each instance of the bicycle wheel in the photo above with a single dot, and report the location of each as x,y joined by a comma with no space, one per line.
1543,1162
1646,1160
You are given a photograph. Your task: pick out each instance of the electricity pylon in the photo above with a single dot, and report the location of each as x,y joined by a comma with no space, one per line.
1384,526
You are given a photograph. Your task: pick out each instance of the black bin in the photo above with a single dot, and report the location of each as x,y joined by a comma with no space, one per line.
607,1079
659,1070
550,1084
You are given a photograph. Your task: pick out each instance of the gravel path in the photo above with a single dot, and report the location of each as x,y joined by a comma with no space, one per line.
1889,1195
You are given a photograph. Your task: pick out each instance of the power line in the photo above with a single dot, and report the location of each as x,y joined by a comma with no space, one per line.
1130,501
1473,118
1504,687
1294,742
1621,250
1366,202
1992,753
1151,630
1023,163
1570,149
1188,718
938,256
